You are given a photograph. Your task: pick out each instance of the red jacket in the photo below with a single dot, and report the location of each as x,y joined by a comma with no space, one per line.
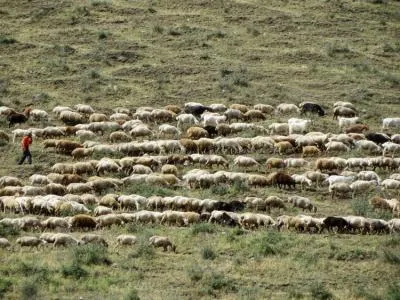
26,141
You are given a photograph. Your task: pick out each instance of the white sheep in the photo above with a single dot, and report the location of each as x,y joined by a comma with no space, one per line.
363,186
38,115
84,109
64,239
169,130
186,120
334,146
245,162
162,241
299,126
4,243
369,146
388,123
126,239
390,147
279,128
339,188
30,241
301,179
287,108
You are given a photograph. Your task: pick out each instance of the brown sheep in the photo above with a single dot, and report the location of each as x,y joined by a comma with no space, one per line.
174,108
66,146
356,128
82,222
50,143
72,178
223,129
325,164
310,150
379,203
284,147
282,180
196,133
189,145
274,202
254,114
273,162
342,111
243,108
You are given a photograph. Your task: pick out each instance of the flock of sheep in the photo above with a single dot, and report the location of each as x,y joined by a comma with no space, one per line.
178,147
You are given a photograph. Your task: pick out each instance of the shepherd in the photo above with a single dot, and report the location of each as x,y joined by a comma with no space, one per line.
26,141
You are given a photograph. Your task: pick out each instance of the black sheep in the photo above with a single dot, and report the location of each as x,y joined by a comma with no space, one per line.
312,108
377,138
336,222
18,118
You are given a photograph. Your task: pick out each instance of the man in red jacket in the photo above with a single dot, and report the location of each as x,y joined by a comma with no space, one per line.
26,141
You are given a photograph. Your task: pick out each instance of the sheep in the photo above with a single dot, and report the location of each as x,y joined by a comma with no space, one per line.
85,135
232,113
284,147
55,189
391,148
102,210
126,239
38,179
310,151
79,153
299,126
90,238
296,162
390,184
224,218
274,202
264,108
169,169
303,203
82,221
145,216
333,222
341,111
4,243
38,115
395,138
334,146
339,188
356,128
394,225
279,128
388,123
18,118
273,162
301,179
10,181
107,165
286,108
245,162
369,146
311,107
97,117
71,118
368,175
196,133
161,241
108,220
141,131
169,130
55,222
254,114
344,104
357,163
30,241
326,164
357,223
186,120
282,180
251,220
345,122
64,239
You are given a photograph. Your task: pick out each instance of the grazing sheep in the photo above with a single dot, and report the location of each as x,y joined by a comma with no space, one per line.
186,120
64,239
331,223
30,241
161,241
102,210
245,162
279,128
274,202
82,222
388,123
310,151
90,238
71,118
126,239
345,122
356,128
55,222
108,220
303,203
196,133
312,108
4,243
341,111
282,180
287,108
264,108
273,162
18,118
342,188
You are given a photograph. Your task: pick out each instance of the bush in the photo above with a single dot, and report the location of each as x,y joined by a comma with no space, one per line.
7,41
219,282
360,207
391,257
195,273
90,254
7,230
393,292
132,295
32,269
208,253
202,228
319,292
351,255
74,270
103,35
5,285
143,249
270,244
29,289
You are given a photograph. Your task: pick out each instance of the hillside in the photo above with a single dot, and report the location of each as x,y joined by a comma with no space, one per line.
126,53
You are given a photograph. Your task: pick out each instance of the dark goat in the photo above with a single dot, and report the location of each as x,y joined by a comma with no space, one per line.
312,108
281,180
377,138
18,118
336,222
197,110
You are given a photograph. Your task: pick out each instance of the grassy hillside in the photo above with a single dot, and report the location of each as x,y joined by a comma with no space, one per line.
152,53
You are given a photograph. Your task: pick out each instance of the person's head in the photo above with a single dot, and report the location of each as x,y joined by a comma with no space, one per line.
29,134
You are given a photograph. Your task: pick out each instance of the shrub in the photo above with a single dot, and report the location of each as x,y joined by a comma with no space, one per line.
319,292
103,35
393,292
7,230
74,270
270,244
208,253
29,289
32,269
391,257
6,40
202,228
195,273
143,249
351,255
360,207
132,295
103,3
90,254
219,282
5,285
158,29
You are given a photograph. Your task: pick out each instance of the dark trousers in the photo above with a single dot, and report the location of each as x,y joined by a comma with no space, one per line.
26,154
